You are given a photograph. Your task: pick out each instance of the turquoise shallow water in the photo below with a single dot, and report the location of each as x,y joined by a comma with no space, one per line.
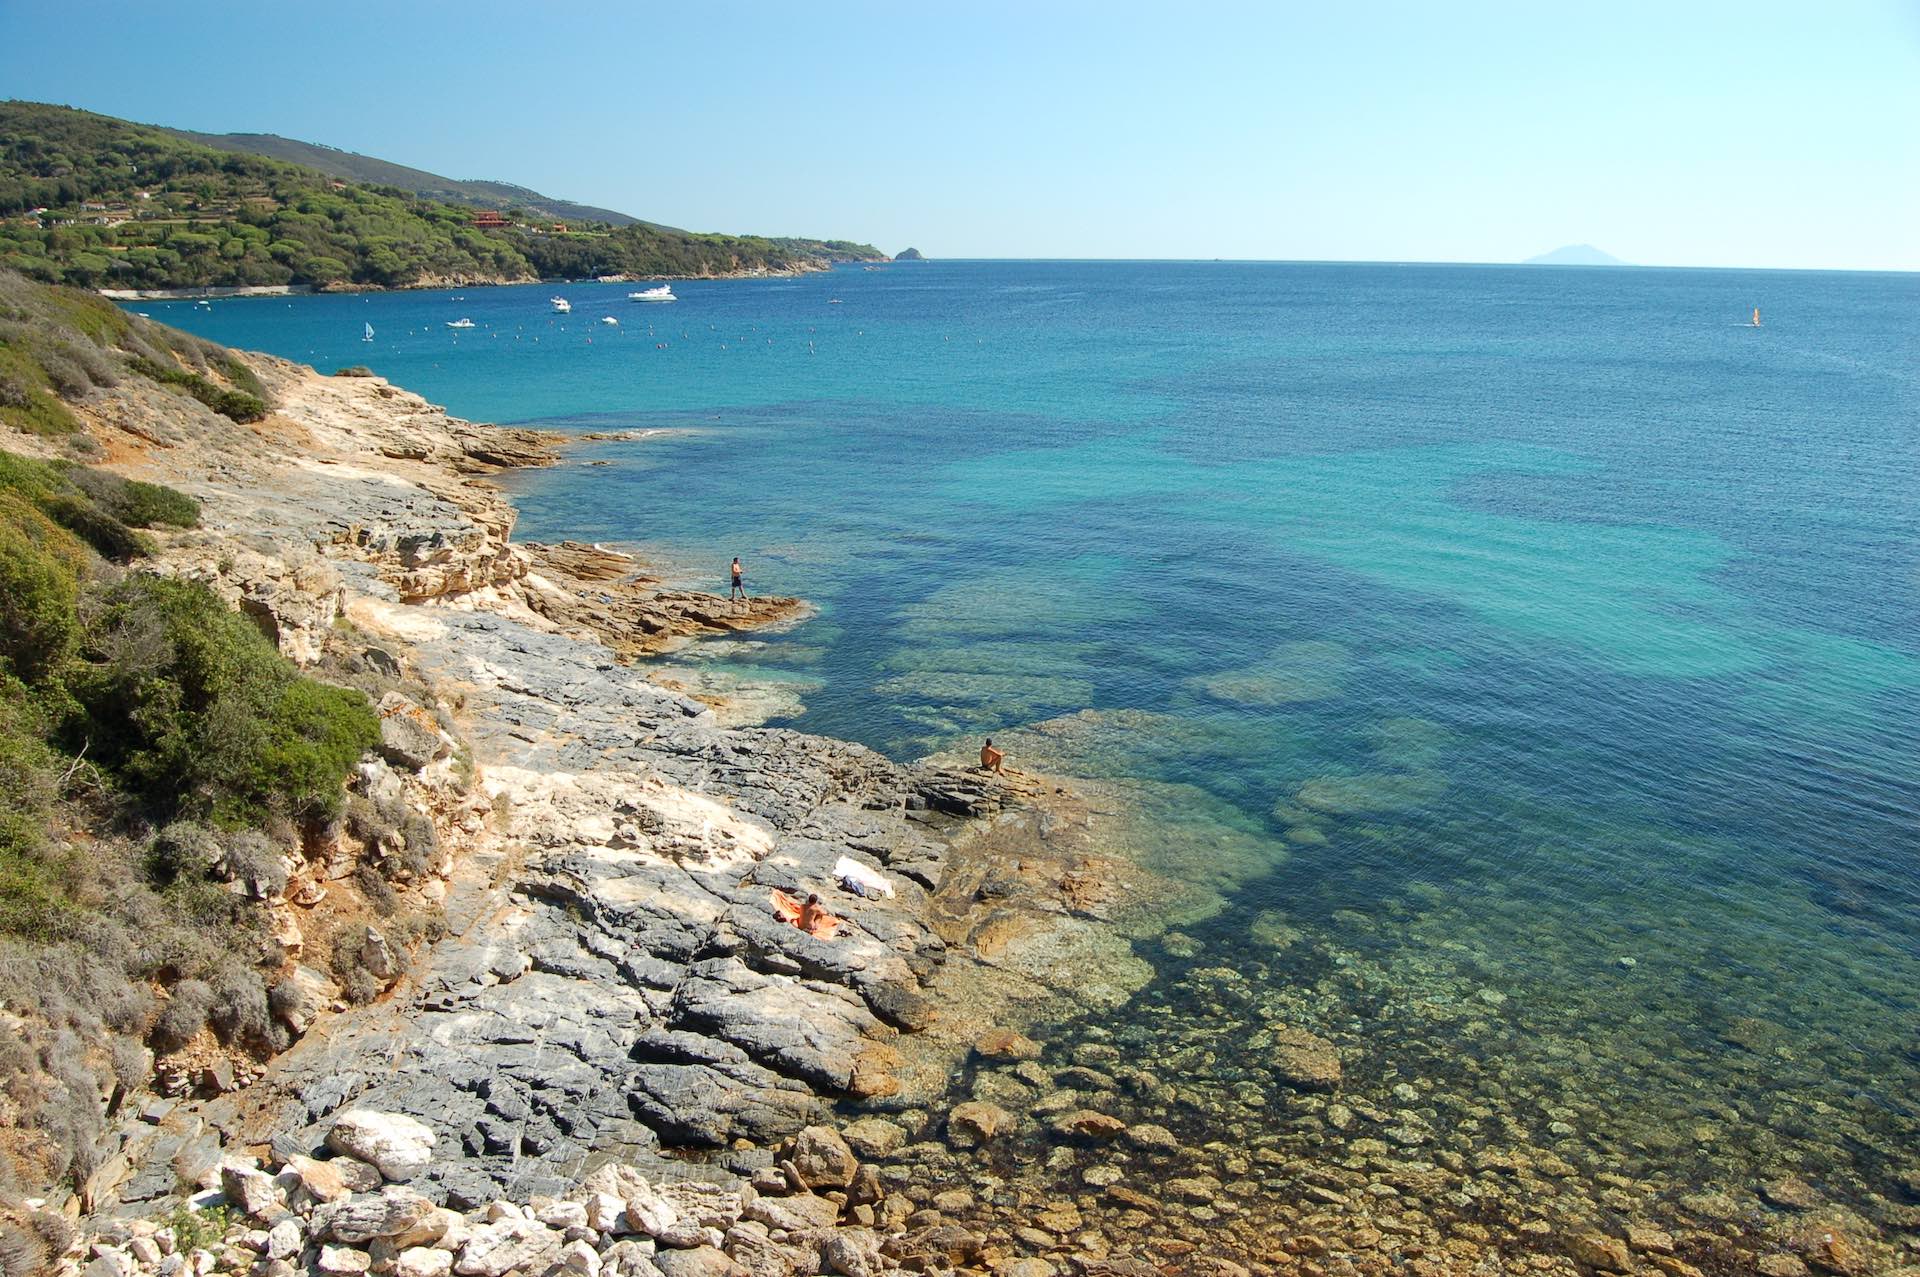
1504,622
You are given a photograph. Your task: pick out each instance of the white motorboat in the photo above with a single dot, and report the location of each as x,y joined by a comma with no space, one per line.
664,293
561,306
609,319
461,323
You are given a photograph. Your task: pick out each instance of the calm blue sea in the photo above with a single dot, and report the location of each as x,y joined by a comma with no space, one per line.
1540,644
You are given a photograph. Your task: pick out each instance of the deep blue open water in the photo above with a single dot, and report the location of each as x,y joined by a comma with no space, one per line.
1491,625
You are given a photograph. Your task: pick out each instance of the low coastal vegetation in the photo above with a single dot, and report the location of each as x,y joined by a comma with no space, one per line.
96,202
158,756
148,734
57,346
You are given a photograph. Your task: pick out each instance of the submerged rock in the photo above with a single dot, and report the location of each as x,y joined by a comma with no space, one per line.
1601,1253
1088,1124
975,1123
1790,1193
874,1137
1303,1059
823,1158
1005,1044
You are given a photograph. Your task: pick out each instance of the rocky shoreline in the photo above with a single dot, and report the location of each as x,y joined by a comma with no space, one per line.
216,293
601,1004
612,981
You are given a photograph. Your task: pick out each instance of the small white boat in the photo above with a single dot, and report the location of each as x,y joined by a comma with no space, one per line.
664,293
609,319
461,323
835,301
369,334
561,306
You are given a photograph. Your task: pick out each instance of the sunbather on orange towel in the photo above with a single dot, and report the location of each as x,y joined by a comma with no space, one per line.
811,917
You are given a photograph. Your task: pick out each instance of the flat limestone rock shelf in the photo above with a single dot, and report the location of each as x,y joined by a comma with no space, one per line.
616,980
606,595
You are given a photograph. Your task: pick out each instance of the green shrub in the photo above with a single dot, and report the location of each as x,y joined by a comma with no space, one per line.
96,506
238,374
184,849
199,1229
34,871
109,537
104,323
137,504
236,404
39,593
239,1015
185,1015
196,711
27,399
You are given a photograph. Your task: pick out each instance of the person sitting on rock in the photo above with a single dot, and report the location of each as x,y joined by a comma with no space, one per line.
991,758
811,917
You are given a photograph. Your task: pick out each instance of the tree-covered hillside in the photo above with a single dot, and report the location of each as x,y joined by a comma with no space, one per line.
353,167
101,203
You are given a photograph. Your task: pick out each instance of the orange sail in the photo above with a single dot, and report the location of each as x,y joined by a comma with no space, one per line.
1756,317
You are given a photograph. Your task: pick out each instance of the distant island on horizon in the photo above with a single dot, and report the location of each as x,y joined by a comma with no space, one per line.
1575,255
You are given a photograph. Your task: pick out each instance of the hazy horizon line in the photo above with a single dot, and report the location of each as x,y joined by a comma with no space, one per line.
1411,261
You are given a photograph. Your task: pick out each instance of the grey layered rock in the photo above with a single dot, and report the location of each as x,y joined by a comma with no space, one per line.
394,1211
409,737
614,979
253,1193
298,999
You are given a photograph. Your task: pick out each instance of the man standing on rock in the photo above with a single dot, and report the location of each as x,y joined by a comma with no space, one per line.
738,591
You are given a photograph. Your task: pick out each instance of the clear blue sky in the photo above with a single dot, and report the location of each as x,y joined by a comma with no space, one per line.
1676,133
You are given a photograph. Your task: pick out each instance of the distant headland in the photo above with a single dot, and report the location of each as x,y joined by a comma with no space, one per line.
1575,255
909,255
97,202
